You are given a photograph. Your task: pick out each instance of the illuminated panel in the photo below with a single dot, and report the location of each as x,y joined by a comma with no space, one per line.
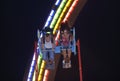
40,77
62,15
31,69
46,74
58,13
70,10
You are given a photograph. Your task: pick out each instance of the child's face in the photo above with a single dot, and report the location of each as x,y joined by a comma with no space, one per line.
47,37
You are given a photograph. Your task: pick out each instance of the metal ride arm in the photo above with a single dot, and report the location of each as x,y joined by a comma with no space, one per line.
79,60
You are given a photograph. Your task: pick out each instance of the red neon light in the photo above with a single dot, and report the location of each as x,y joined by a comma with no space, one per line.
46,74
70,10
79,60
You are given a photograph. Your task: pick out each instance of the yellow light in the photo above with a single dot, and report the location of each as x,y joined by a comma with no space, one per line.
62,15
55,18
70,10
42,69
46,74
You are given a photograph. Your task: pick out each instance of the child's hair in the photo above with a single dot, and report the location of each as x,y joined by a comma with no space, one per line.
64,26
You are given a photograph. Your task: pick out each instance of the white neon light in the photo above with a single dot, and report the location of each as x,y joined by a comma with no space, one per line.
49,18
52,12
57,2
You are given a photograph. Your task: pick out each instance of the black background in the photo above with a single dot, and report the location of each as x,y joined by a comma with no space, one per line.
96,26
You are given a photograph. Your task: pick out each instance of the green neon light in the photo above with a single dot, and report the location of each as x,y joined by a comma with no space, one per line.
39,62
34,76
58,13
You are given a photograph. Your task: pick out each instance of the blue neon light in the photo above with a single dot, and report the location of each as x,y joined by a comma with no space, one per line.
28,80
52,12
57,2
49,18
31,68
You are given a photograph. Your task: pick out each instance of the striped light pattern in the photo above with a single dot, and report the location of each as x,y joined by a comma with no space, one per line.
50,17
42,68
70,10
62,15
37,69
33,79
30,74
57,2
39,62
46,74
55,18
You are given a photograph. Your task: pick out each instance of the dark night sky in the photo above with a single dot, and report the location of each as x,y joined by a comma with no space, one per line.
97,27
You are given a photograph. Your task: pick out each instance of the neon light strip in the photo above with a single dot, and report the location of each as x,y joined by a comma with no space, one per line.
40,77
50,17
58,13
66,17
39,62
57,2
62,15
46,74
70,10
31,69
37,68
34,76
79,60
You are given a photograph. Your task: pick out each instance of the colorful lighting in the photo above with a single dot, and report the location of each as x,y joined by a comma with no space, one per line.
54,21
31,68
55,18
36,69
49,18
42,68
62,15
57,2
39,61
46,74
70,10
